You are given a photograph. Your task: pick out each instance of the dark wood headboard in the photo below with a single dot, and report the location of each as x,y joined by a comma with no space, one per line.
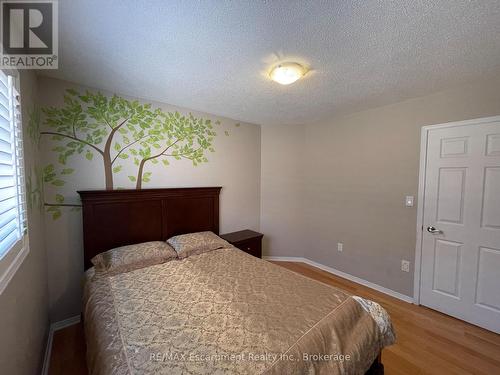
114,218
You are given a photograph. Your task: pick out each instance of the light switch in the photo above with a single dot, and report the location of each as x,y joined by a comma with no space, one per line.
409,201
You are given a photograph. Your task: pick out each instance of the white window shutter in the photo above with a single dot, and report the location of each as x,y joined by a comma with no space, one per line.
12,186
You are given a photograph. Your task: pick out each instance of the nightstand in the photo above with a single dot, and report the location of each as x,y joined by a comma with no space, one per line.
246,240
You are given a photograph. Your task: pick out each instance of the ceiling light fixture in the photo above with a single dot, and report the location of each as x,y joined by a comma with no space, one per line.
287,73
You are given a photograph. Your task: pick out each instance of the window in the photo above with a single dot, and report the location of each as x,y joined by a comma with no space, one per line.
12,192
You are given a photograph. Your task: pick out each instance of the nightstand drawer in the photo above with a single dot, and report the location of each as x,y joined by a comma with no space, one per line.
247,240
252,247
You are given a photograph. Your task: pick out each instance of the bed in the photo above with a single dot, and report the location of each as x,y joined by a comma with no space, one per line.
219,312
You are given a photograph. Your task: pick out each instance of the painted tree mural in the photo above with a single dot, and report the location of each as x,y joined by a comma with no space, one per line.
115,129
33,174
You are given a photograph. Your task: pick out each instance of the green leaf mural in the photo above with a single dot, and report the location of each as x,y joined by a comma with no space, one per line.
34,188
122,134
50,176
37,178
114,128
34,174
33,125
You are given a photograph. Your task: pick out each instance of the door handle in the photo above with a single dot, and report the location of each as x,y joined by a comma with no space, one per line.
434,230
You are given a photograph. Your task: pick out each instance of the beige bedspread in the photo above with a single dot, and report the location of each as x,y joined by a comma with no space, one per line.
226,312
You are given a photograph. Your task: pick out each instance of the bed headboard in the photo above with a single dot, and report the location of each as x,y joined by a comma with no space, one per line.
114,218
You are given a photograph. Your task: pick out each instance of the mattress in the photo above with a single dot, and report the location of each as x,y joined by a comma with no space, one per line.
226,312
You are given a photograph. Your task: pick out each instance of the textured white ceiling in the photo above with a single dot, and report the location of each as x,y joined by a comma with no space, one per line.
213,56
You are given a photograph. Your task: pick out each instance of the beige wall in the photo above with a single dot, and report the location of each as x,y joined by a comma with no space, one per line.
357,171
282,197
235,165
24,303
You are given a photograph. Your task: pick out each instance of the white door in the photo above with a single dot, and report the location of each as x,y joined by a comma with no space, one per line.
460,269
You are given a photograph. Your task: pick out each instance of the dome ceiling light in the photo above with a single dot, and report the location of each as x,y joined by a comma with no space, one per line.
287,73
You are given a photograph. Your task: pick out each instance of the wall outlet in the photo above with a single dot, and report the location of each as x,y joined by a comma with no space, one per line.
340,246
405,265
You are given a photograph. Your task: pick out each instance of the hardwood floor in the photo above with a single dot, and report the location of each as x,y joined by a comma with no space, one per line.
68,352
428,342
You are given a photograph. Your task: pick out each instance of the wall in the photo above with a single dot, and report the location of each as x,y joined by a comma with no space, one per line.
282,196
24,303
357,171
235,165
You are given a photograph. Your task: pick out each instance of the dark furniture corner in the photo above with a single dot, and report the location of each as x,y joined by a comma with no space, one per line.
377,367
246,240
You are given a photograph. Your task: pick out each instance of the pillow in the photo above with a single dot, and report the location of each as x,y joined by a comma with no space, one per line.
132,257
196,243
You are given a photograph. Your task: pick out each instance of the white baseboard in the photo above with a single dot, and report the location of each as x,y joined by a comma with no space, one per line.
48,348
347,276
285,259
56,326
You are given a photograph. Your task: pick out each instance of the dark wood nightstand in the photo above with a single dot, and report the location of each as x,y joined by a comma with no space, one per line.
246,240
